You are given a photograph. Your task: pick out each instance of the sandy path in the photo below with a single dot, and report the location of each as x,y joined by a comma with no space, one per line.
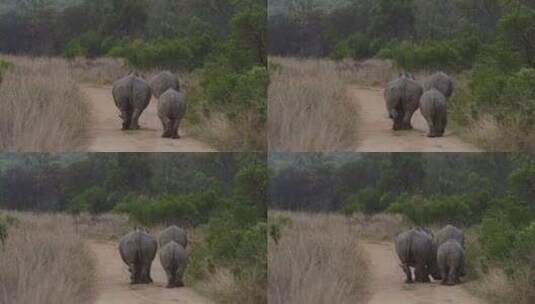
113,286
387,282
375,132
106,135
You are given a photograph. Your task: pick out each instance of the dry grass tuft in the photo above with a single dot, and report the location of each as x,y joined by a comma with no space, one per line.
316,260
99,71
44,261
246,133
497,287
43,108
102,227
309,107
370,72
381,227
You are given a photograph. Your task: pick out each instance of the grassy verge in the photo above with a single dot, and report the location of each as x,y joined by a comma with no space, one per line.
309,107
43,107
308,260
45,261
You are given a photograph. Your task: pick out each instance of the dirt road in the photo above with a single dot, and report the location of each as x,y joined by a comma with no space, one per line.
375,132
113,287
388,286
106,135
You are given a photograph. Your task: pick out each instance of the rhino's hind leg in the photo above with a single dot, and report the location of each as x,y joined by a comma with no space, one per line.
126,116
175,125
166,125
421,274
134,124
408,273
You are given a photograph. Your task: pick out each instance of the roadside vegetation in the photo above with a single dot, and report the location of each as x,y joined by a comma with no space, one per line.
44,261
309,108
219,198
308,260
490,196
222,45
487,45
43,107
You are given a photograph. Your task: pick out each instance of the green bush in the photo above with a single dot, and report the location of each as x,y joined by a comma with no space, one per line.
497,236
188,210
180,54
367,201
357,46
89,44
95,200
233,92
449,55
441,209
508,97
524,244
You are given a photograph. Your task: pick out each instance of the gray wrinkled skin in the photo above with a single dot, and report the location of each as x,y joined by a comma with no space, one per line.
162,82
173,258
402,98
450,259
434,109
415,248
173,233
171,109
138,249
132,96
449,232
441,82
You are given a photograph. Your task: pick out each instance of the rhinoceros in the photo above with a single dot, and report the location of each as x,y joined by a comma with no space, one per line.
132,96
173,258
138,250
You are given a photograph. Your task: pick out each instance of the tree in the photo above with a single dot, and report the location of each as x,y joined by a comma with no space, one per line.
518,28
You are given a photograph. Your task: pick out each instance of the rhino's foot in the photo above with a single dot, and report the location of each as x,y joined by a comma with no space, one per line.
431,135
179,284
176,136
409,281
135,127
165,135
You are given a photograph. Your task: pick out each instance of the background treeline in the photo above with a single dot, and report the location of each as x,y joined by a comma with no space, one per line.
491,195
223,197
490,43
220,44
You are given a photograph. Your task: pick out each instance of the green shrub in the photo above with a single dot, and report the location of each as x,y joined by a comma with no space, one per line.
357,46
524,244
188,210
441,209
450,55
95,200
367,201
87,45
497,236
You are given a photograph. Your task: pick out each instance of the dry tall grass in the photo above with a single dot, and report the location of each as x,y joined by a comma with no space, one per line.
316,260
380,227
43,108
44,261
309,107
99,71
